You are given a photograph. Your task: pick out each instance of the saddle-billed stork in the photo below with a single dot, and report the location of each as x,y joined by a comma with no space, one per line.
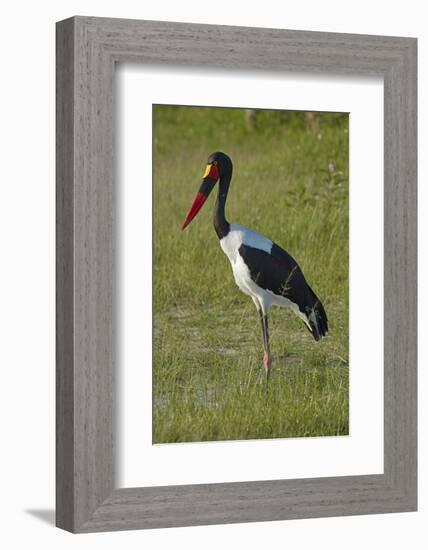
261,268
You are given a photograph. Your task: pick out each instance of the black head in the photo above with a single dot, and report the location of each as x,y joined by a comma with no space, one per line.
219,166
222,162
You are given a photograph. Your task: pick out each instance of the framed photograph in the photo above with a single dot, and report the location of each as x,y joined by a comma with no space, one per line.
236,274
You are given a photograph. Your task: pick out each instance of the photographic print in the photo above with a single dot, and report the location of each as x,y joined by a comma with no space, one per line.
250,274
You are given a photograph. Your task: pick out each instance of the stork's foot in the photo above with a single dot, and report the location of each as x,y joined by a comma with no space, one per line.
267,363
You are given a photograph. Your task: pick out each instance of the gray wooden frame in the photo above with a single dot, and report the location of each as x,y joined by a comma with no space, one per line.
87,50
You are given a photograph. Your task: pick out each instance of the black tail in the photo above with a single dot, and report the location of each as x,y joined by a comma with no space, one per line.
317,318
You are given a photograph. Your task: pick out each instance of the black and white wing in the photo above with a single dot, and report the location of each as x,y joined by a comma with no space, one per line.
276,271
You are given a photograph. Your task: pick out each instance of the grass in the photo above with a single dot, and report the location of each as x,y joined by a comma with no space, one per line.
208,380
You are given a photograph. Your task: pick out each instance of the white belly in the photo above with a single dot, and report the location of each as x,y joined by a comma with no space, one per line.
230,244
261,297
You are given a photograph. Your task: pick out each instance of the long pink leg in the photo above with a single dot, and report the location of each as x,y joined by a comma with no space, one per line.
267,358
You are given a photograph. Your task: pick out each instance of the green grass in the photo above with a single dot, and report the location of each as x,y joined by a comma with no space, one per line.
208,380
